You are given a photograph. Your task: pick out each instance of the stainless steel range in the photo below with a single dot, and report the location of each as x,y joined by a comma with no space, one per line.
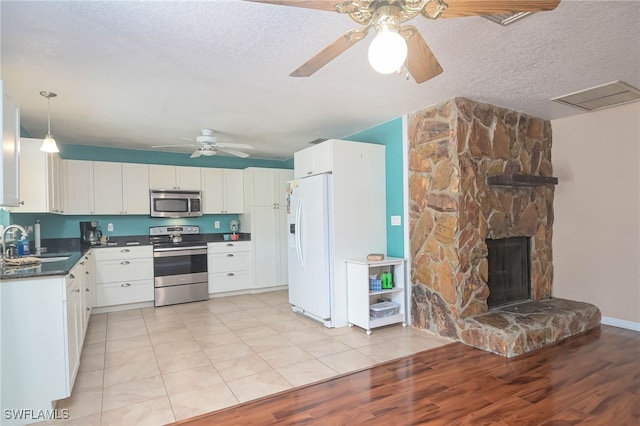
179,264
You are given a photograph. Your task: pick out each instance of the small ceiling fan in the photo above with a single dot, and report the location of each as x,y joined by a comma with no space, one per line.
396,44
207,144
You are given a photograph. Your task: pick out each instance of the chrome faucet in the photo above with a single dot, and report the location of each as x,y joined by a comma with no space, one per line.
4,236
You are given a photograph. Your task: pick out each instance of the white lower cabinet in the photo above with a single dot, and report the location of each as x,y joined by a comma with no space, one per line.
229,265
42,336
123,275
361,296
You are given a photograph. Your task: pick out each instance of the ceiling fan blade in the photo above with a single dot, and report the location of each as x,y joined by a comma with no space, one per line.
234,152
459,8
196,154
421,62
172,146
233,145
186,139
327,5
330,52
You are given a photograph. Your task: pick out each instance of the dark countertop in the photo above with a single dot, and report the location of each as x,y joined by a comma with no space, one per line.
44,269
71,247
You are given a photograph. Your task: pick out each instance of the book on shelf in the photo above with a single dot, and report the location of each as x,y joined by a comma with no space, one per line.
375,256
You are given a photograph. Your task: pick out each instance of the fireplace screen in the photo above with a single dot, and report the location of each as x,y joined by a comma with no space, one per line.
509,270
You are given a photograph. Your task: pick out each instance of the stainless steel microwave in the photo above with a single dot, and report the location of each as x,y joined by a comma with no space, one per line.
175,203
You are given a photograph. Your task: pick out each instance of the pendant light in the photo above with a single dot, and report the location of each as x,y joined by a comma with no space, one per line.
49,144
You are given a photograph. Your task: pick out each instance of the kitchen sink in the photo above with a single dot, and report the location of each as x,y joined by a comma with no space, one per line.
53,259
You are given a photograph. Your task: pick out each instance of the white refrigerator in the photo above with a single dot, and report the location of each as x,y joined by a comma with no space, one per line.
329,222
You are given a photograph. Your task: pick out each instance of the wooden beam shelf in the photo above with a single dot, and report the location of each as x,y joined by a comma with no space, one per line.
521,180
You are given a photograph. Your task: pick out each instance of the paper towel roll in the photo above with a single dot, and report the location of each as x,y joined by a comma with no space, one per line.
36,235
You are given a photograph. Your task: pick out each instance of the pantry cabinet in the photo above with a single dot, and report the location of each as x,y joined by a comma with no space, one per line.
78,187
174,177
9,167
266,219
222,191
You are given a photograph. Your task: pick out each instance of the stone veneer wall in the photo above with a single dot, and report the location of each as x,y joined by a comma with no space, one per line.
454,146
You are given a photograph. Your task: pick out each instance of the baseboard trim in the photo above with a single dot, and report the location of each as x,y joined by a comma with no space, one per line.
615,322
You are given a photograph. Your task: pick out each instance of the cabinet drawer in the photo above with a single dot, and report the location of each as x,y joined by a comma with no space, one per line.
124,253
229,247
121,293
109,271
229,281
229,262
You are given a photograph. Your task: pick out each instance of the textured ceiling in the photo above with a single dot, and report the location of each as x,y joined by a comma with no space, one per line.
134,74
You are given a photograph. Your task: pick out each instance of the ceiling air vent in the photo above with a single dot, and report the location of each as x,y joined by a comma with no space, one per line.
599,97
317,141
505,20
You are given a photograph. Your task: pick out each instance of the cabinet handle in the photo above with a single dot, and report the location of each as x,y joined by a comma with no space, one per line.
125,285
86,258
86,272
72,276
230,255
124,251
86,289
77,290
231,274
82,263
22,203
125,262
229,244
88,309
308,173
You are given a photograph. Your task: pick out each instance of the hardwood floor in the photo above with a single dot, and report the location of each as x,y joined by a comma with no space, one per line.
591,379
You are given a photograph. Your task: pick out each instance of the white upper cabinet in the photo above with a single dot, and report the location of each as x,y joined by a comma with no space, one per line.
121,188
40,179
55,183
78,188
265,187
10,126
174,177
34,177
107,185
135,188
313,160
222,190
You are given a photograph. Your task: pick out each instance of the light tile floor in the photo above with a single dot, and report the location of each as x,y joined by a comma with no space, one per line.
154,366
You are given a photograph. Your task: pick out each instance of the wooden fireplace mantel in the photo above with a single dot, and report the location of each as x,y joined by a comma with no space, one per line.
521,180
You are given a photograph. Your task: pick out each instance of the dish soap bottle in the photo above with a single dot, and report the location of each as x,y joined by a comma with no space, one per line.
23,247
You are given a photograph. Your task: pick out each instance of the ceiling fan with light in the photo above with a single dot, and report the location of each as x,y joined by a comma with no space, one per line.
396,44
207,144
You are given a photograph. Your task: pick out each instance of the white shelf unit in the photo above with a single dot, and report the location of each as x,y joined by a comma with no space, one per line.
360,297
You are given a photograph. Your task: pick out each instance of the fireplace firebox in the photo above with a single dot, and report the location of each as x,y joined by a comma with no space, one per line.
509,270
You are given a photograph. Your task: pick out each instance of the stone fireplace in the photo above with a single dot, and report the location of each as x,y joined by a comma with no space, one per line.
480,174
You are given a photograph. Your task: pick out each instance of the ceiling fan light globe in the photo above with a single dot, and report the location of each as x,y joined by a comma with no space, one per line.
387,52
208,152
49,144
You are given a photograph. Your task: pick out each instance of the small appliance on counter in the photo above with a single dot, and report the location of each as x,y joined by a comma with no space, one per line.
89,234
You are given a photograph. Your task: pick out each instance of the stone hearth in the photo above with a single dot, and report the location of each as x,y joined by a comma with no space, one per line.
454,147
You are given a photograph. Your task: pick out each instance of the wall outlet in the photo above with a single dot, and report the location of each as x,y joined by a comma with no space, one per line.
216,224
110,227
396,220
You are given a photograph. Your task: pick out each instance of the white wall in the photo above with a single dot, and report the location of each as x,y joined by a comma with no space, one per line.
596,235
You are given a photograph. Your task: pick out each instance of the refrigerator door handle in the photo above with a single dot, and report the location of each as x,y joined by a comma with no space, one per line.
299,233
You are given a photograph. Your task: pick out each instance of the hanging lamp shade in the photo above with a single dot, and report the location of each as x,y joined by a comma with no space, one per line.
49,143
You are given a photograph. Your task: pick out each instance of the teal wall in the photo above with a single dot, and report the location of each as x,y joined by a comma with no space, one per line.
5,217
62,226
101,153
390,135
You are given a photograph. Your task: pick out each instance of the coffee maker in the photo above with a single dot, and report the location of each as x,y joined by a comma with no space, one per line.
89,234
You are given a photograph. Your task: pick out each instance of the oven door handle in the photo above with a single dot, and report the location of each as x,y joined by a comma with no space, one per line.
166,252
